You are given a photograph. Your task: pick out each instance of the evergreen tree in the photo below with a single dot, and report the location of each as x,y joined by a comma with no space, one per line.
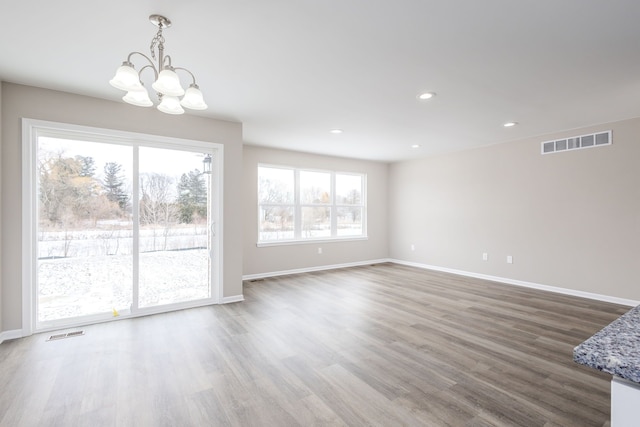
114,185
192,196
88,166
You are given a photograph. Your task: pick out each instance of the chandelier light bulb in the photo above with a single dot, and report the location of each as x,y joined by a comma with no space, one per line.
170,105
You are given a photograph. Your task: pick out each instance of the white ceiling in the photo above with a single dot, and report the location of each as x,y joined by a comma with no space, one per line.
292,70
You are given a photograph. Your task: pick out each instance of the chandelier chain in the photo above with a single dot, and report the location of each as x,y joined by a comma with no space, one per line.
158,40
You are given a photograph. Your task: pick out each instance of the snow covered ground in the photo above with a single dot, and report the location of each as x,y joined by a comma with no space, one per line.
79,286
118,241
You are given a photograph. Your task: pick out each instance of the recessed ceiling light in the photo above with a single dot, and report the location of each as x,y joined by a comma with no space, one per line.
336,131
510,124
426,95
415,146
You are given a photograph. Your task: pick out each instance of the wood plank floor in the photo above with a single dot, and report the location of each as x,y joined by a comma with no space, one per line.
383,345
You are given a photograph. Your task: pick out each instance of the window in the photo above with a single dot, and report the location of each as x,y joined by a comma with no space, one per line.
301,204
117,224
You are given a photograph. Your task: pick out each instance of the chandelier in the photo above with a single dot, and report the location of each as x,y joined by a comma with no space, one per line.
167,83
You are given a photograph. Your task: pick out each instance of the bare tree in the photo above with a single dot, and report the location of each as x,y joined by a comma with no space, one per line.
274,191
68,194
157,207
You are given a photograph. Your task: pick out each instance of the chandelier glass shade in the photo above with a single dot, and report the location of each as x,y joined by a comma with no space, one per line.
138,97
170,105
167,83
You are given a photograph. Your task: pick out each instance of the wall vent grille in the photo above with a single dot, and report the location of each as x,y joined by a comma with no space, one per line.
576,142
67,335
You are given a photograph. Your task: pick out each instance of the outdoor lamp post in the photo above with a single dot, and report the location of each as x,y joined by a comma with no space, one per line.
206,164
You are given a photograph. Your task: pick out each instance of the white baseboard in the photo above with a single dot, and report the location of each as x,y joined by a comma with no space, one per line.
234,298
310,269
10,335
565,291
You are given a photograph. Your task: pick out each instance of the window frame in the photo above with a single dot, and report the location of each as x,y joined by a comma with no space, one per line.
297,207
32,129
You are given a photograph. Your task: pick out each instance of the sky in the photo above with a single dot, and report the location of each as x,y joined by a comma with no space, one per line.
159,160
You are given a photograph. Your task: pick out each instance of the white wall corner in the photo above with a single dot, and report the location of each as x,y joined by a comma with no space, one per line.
234,298
10,335
310,269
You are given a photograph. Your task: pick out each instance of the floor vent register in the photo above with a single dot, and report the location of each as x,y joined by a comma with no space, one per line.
67,335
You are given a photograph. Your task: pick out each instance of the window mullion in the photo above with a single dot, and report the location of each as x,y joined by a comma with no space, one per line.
135,211
333,212
297,209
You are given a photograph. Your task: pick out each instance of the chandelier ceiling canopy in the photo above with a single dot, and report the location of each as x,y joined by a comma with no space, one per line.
166,84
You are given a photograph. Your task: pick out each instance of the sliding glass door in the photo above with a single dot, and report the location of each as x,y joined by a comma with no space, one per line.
173,249
121,226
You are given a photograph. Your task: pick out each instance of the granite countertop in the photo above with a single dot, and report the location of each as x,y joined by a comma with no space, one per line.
614,349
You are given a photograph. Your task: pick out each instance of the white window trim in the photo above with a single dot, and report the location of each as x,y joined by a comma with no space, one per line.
311,241
297,206
31,129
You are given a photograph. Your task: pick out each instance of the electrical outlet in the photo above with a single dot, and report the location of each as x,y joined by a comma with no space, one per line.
319,251
413,247
509,259
485,256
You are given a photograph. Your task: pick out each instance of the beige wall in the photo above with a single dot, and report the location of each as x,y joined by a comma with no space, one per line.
570,220
271,259
29,102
